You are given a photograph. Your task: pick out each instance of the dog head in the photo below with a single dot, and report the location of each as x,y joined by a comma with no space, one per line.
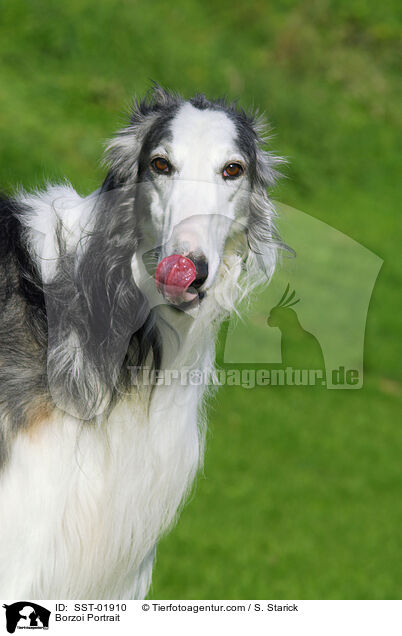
199,180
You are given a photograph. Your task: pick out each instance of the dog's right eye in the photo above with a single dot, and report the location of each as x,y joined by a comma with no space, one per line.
161,165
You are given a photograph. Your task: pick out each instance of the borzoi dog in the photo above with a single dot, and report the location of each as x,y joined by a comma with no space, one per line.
96,461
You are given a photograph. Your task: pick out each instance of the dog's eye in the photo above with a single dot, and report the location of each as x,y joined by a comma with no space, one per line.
161,165
232,171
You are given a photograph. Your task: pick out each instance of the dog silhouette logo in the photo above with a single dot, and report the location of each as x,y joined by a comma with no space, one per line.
26,615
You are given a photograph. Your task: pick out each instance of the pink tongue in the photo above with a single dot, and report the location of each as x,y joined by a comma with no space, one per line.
174,275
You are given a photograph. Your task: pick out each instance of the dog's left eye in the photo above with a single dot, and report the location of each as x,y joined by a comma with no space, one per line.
232,171
161,165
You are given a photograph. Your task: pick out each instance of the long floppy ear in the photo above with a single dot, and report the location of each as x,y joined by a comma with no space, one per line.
100,324
96,313
263,237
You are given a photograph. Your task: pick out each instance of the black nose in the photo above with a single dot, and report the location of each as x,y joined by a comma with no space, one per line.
201,267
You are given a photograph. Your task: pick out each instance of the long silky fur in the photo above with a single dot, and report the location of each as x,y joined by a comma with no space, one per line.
73,327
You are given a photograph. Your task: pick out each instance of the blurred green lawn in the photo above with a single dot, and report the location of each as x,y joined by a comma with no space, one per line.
301,496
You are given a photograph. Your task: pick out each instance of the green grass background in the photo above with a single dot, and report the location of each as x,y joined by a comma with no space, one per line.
301,493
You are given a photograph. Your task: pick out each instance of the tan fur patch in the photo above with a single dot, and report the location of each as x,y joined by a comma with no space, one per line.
37,415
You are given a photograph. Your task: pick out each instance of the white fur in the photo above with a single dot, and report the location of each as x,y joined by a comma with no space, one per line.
93,501
56,209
